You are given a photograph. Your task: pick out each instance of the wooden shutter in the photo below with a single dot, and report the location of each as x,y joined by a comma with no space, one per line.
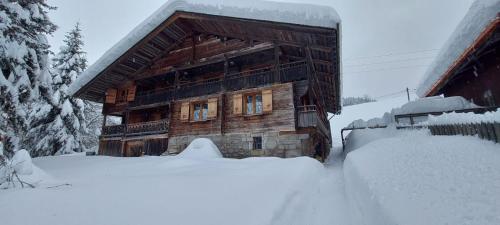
267,101
238,104
111,96
212,108
131,93
185,111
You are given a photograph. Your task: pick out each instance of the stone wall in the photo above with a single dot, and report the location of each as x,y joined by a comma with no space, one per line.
240,145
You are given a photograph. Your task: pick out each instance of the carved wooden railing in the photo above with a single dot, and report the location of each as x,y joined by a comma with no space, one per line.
148,128
235,81
155,127
115,130
310,116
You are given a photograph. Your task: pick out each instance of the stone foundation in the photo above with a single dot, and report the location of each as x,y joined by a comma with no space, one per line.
240,145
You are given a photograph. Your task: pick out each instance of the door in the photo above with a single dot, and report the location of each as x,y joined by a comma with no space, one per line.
134,149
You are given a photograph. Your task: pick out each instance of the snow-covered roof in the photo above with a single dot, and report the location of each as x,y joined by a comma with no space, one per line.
302,14
481,14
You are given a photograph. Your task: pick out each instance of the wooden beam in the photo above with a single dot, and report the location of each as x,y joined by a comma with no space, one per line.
211,60
125,56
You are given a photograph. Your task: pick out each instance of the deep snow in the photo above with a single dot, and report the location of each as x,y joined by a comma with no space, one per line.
414,178
176,190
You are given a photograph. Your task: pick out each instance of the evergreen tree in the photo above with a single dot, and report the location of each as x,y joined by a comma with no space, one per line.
64,123
24,76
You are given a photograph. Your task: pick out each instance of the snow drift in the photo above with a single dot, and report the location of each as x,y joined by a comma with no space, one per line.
414,178
201,148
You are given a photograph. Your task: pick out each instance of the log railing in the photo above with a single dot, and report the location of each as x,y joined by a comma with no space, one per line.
154,127
310,116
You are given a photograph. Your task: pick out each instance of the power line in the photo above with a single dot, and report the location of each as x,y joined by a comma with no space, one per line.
388,69
392,61
391,54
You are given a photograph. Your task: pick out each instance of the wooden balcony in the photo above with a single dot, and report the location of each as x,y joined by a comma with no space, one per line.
290,72
138,129
310,117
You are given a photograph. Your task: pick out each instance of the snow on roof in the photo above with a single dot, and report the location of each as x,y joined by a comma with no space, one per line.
303,14
481,14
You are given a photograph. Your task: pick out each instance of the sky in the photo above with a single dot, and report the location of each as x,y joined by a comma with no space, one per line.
387,45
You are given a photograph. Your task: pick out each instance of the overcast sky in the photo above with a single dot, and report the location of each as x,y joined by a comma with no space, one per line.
387,44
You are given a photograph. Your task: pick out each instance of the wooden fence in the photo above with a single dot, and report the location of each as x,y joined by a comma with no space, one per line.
486,131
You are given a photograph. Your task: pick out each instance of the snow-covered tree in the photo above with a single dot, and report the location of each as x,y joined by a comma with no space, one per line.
59,127
24,65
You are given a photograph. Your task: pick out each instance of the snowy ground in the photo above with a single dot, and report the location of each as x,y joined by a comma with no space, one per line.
156,190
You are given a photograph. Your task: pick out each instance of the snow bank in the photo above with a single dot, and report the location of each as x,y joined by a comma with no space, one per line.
480,15
419,179
201,148
423,105
304,14
457,118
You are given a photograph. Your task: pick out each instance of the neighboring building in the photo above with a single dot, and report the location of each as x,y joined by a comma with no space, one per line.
469,64
257,78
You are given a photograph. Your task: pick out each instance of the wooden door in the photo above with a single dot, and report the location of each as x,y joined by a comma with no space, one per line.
134,149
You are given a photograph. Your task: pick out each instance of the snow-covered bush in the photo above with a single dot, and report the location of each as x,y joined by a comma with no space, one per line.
11,170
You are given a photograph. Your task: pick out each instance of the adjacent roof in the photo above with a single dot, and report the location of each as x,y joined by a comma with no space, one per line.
302,14
479,18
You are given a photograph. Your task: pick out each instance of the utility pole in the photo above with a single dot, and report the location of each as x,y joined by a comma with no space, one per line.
408,94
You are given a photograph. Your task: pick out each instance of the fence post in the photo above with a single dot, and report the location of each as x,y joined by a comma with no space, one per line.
497,132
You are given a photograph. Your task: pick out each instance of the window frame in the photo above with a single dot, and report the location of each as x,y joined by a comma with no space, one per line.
202,110
257,145
254,104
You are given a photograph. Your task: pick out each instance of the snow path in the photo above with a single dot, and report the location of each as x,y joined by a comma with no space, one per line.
333,189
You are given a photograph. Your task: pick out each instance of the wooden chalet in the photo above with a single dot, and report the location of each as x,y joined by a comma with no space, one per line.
255,87
475,73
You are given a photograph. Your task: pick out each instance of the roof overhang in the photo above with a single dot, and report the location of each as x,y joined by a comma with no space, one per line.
160,34
464,58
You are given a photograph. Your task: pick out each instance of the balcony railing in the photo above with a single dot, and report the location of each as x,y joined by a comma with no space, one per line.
309,116
236,81
155,127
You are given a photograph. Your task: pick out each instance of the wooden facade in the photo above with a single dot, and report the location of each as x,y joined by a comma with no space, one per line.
476,74
256,88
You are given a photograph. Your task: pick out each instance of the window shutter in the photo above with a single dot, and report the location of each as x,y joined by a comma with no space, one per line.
237,104
267,100
111,96
185,111
131,93
212,108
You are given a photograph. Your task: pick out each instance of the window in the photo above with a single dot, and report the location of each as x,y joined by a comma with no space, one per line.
253,104
257,143
200,111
